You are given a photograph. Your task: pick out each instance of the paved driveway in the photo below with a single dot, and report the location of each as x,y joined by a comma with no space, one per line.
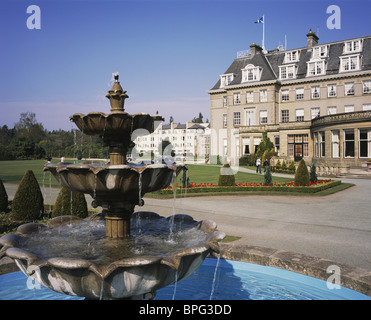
336,227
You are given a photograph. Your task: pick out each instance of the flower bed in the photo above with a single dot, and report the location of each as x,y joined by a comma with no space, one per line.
313,187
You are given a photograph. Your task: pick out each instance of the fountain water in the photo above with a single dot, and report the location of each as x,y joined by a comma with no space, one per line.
115,254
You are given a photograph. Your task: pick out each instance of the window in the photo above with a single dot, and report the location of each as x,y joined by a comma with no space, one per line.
297,146
331,110
285,95
246,146
224,101
251,73
331,90
316,68
335,144
315,113
263,117
349,143
226,79
224,121
287,72
367,86
319,52
316,144
285,115
299,93
249,97
236,98
367,107
352,46
315,92
322,147
365,143
299,115
277,143
291,56
236,118
250,117
349,109
349,89
350,63
263,95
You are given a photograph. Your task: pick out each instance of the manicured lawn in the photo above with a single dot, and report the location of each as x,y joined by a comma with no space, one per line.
204,173
13,171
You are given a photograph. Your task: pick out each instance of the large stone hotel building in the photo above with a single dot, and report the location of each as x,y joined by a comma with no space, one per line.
314,103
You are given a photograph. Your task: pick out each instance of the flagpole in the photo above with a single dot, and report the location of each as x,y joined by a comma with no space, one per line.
263,45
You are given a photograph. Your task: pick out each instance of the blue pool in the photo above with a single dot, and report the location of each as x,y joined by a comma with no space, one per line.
233,280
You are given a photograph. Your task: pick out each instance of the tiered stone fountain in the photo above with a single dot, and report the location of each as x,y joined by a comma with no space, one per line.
117,254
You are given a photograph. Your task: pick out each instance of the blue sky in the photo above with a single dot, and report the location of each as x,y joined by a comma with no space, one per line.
169,53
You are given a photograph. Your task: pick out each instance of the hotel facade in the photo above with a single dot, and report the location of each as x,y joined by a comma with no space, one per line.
314,103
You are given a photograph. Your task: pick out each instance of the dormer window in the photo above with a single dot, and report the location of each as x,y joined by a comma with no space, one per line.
350,63
319,52
226,79
287,72
251,73
316,67
353,46
291,56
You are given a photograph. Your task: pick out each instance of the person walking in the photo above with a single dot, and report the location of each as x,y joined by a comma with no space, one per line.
272,164
265,164
259,165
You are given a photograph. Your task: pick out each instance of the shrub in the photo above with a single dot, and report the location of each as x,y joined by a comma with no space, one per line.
226,176
284,166
63,205
278,166
302,174
313,174
28,201
268,180
3,197
291,168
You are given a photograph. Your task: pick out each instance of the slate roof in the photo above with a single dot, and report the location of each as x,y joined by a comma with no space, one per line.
271,61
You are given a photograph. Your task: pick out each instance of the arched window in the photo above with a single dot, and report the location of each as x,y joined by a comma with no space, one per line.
251,73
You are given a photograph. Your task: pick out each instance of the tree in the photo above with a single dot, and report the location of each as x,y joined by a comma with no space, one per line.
268,180
313,174
28,201
70,203
302,174
3,197
198,119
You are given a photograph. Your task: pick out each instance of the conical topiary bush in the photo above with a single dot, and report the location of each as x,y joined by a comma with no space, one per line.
63,205
28,201
313,174
302,174
3,197
226,176
268,179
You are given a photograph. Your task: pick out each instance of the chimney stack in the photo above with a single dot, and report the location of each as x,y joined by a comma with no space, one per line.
254,49
312,39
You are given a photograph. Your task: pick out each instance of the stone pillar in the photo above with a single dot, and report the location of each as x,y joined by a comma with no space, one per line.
118,227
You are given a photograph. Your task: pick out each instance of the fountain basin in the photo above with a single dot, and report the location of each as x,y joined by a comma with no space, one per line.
98,276
114,126
114,183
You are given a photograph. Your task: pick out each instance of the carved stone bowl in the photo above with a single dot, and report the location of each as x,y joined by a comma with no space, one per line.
127,278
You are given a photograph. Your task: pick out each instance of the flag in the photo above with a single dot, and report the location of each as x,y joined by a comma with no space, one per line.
261,20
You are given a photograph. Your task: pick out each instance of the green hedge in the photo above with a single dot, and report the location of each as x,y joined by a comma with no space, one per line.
256,188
